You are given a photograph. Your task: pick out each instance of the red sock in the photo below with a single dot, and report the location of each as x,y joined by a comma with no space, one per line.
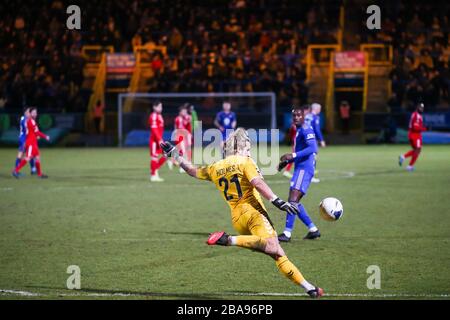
22,163
38,168
161,162
410,153
414,158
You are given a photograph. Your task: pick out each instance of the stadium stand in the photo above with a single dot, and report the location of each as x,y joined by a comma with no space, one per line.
228,46
245,48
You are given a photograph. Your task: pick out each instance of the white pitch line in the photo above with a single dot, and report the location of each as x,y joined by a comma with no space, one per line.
107,240
361,295
184,239
18,293
237,294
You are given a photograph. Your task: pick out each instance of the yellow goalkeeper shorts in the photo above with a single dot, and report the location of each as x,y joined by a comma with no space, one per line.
248,220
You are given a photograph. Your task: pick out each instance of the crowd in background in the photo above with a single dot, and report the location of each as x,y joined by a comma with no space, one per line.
243,47
40,62
239,45
232,45
419,34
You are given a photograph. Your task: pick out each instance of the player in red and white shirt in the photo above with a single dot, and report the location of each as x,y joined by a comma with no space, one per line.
190,137
156,124
31,145
416,128
182,132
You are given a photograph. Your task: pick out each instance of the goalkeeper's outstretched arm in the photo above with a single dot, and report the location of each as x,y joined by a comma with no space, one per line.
171,151
262,187
187,166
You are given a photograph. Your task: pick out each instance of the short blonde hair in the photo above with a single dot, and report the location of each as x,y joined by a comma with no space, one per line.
316,106
237,143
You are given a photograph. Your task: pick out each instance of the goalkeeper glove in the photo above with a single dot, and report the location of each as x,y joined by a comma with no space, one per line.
282,165
170,150
285,206
285,160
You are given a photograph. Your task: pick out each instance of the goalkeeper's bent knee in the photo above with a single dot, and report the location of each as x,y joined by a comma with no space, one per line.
273,247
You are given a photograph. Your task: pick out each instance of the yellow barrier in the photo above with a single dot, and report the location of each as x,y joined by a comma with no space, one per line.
366,81
98,92
323,57
145,50
341,30
383,59
93,53
329,109
134,82
330,103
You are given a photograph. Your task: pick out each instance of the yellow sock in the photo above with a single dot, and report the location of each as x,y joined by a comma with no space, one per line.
289,270
250,242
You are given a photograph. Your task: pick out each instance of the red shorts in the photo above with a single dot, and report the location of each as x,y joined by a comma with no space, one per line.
155,149
415,140
31,150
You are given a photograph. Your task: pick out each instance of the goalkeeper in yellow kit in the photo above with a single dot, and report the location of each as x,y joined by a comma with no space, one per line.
241,184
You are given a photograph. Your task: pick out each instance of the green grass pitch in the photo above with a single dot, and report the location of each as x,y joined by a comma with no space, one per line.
141,240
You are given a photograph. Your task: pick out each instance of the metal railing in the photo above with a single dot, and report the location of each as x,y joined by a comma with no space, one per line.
98,91
319,55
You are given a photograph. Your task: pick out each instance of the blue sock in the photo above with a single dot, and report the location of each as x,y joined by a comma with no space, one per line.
303,215
17,162
32,165
290,221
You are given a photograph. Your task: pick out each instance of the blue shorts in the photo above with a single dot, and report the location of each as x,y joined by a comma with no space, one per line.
22,144
226,134
302,179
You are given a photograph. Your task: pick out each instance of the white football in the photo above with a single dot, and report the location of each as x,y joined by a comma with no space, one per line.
331,209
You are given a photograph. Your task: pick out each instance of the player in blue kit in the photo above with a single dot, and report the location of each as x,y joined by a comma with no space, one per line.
225,120
22,139
304,158
313,118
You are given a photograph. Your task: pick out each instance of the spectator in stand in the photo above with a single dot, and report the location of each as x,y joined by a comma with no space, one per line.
344,112
98,116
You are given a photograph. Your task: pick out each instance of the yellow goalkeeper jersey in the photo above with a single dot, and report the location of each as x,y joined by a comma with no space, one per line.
232,177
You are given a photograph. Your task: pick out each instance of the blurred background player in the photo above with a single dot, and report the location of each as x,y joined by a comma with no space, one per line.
194,124
314,116
22,140
415,137
241,184
313,119
194,118
189,128
304,158
156,124
31,145
183,132
225,120
291,134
